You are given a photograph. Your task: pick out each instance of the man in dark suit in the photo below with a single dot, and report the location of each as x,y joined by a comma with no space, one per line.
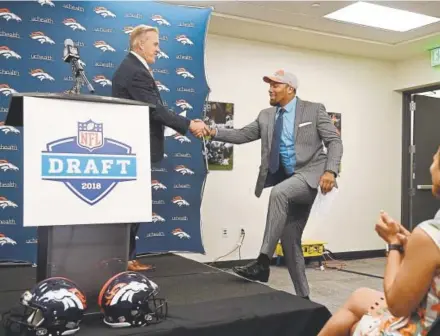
134,80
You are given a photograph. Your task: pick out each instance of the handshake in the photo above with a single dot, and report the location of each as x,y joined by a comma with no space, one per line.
199,129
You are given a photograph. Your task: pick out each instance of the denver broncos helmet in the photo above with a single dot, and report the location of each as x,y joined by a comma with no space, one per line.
129,300
54,306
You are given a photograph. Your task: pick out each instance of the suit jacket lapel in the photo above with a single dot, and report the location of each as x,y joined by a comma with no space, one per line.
298,114
150,73
155,86
298,118
271,125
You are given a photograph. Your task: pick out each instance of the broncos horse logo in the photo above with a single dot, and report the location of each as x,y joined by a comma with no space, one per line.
125,292
71,298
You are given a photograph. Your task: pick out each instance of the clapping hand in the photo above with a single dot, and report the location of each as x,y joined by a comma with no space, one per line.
403,235
390,230
198,128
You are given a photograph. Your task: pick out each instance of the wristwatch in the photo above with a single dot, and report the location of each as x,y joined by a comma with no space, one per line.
396,247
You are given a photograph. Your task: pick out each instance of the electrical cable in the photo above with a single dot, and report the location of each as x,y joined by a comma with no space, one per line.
333,263
237,247
333,260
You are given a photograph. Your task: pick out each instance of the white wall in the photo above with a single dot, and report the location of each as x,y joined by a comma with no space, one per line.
360,89
414,73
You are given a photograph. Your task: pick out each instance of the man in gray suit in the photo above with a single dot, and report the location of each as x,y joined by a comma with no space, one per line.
294,163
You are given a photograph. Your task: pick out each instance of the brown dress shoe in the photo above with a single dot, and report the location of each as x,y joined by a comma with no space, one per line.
136,266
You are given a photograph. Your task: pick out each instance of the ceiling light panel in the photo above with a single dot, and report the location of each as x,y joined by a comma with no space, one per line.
372,15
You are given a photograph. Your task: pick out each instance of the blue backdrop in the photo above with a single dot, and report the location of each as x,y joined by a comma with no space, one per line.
32,35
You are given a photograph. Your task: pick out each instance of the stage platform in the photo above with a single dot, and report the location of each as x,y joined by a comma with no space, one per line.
202,300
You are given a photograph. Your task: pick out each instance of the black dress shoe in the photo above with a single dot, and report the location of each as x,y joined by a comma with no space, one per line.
253,271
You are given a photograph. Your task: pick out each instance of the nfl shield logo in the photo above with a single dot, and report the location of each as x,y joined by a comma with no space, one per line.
90,135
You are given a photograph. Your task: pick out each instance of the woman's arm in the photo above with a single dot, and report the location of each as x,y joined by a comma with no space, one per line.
409,276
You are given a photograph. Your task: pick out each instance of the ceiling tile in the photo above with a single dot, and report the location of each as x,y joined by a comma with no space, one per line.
299,20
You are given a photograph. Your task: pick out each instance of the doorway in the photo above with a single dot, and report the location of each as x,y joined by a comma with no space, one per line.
421,138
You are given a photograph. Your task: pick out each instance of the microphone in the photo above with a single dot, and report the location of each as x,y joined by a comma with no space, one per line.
71,55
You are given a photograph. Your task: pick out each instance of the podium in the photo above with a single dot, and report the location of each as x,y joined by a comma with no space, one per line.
86,178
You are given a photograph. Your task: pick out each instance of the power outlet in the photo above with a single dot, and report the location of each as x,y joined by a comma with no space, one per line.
225,233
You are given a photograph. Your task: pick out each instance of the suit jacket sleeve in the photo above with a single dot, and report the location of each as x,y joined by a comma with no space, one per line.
332,140
246,134
142,89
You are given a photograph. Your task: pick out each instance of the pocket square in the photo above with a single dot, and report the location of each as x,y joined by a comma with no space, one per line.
305,124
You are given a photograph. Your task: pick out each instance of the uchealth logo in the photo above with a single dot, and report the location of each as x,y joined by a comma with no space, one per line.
5,166
103,46
184,40
154,234
161,54
6,240
101,80
41,37
46,2
72,23
156,185
184,73
183,104
162,87
41,75
8,53
89,164
6,90
178,232
104,12
156,218
159,19
5,203
181,169
8,15
179,201
6,129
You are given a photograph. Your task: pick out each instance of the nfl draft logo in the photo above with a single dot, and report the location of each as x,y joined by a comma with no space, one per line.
89,164
90,135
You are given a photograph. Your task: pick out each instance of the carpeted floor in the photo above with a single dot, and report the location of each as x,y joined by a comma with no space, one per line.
332,287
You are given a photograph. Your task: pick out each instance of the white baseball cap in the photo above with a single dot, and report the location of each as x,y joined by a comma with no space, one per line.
283,77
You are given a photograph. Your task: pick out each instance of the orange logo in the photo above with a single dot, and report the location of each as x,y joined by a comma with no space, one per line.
279,73
80,296
111,294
